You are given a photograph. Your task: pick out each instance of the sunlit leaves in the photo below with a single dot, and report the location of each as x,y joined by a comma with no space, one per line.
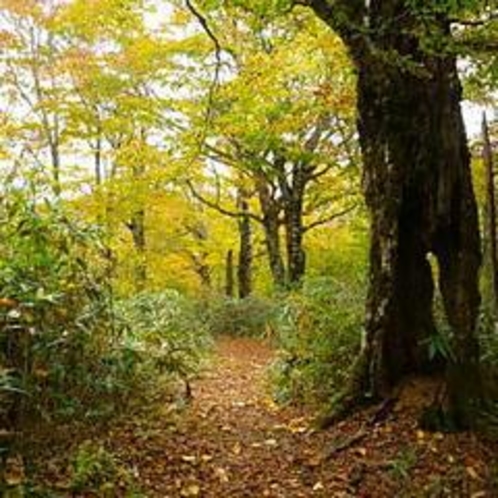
94,20
283,83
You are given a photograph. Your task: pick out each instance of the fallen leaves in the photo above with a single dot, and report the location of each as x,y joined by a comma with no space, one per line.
191,490
221,474
235,442
14,474
472,473
271,442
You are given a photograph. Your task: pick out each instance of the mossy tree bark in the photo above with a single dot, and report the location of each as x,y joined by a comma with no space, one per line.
270,208
293,190
418,189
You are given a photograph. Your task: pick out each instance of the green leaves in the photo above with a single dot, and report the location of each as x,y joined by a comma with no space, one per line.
439,346
165,328
264,9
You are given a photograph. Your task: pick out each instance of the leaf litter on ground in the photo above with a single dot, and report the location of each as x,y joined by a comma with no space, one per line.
234,441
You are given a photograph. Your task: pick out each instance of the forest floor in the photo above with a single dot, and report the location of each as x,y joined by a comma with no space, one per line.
233,441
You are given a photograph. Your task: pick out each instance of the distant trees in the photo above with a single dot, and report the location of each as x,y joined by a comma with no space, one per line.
284,122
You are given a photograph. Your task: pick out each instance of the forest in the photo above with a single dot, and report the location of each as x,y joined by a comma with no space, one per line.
248,248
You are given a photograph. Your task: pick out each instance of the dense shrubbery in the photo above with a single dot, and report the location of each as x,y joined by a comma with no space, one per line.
55,319
66,348
489,354
319,332
164,330
249,317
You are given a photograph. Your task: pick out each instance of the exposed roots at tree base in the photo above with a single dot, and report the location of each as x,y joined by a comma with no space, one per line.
351,399
426,396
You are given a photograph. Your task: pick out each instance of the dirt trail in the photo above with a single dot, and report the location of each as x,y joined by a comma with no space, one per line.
235,442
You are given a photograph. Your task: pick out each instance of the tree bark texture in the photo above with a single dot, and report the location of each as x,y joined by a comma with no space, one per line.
137,229
270,208
244,268
418,190
490,216
294,229
229,277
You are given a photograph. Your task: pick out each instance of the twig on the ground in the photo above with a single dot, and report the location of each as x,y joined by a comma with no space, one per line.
343,443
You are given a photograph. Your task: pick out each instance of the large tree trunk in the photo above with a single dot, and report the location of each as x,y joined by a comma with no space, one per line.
271,225
294,229
418,190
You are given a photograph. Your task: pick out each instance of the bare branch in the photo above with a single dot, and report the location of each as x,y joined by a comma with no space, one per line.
216,77
218,207
328,219
492,16
320,203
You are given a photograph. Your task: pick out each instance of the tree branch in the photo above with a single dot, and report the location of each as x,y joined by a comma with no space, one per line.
492,16
216,77
328,219
218,207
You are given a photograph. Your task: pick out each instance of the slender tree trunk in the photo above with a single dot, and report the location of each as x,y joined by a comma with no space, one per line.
244,268
200,258
202,268
272,241
138,231
56,167
490,216
137,228
98,159
418,190
229,277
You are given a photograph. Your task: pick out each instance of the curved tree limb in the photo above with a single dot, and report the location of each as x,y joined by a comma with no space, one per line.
216,77
328,219
218,207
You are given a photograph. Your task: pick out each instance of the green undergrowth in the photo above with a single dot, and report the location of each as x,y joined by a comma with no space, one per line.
166,333
249,317
319,332
70,351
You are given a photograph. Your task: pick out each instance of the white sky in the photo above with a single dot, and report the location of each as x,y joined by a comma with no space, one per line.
472,115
